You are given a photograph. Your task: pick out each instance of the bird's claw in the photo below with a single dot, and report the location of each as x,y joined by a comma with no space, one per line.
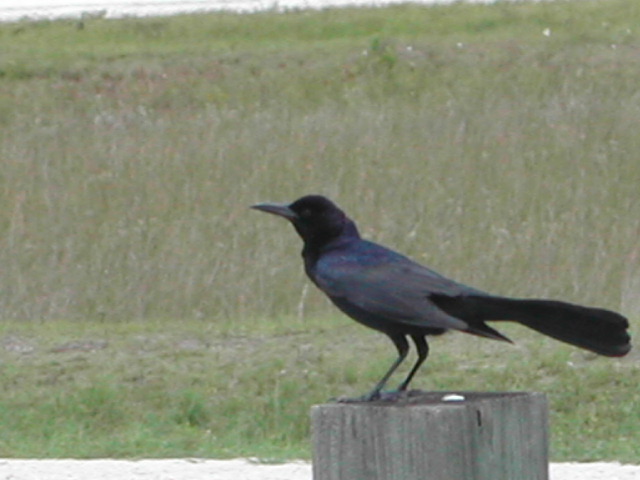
391,396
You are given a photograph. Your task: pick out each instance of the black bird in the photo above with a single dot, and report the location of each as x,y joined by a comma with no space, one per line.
387,291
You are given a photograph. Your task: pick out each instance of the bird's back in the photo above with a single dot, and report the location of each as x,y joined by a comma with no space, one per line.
384,289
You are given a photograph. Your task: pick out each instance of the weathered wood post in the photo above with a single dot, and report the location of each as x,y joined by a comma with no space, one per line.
433,436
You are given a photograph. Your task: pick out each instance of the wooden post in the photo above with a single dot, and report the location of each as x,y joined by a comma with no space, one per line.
433,436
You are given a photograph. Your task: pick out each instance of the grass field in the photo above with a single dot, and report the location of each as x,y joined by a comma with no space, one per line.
147,312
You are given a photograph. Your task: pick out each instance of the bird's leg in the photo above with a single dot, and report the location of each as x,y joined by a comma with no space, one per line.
400,341
423,350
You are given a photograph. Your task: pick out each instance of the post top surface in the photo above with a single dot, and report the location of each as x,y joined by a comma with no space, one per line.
423,398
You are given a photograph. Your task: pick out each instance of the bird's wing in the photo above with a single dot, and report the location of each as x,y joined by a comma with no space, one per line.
394,288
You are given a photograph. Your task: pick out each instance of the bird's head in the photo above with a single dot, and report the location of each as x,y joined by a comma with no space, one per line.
316,218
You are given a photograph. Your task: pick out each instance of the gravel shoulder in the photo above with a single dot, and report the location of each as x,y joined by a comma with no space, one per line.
240,469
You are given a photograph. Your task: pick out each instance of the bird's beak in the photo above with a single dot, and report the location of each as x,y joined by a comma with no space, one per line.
280,209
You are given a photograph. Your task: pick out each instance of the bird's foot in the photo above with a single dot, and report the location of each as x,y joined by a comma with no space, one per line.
375,396
360,399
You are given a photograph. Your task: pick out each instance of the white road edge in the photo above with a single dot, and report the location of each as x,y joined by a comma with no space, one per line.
238,469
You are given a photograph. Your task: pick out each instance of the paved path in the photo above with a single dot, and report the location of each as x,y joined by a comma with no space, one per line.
193,469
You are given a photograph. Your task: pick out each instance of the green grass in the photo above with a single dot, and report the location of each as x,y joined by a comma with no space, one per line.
461,135
166,389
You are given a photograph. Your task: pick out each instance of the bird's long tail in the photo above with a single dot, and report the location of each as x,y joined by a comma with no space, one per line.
601,331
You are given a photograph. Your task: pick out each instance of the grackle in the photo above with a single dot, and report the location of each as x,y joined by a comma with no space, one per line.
388,292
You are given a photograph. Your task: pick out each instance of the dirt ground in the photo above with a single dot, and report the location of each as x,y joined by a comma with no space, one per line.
194,469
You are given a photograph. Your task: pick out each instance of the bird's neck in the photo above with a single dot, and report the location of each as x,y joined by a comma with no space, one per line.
317,245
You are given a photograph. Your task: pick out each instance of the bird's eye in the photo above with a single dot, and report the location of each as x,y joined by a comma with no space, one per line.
306,213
